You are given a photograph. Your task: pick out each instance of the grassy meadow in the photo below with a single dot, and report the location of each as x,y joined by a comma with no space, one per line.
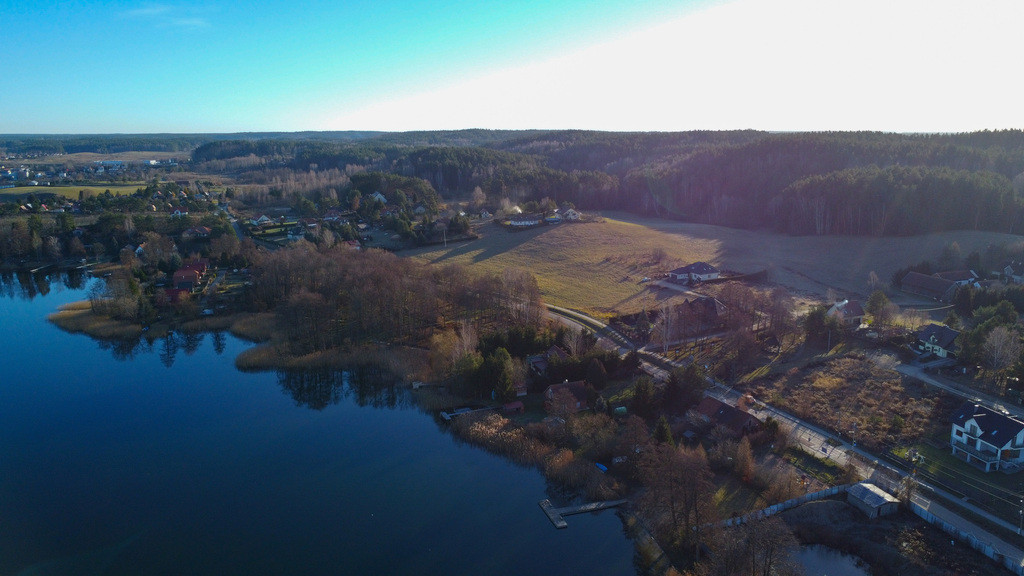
71,191
83,158
596,267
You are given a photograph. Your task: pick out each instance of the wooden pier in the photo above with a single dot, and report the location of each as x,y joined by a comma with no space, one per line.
556,514
461,411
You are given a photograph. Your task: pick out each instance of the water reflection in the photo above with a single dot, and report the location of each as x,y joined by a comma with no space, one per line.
168,349
124,350
26,285
367,385
817,559
219,342
190,342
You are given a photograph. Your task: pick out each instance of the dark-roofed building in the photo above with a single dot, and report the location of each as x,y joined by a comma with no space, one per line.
988,439
961,277
567,397
929,286
696,272
937,339
701,315
849,312
719,413
539,362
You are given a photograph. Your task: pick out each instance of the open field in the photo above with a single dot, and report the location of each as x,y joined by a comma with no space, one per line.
71,191
596,267
593,267
81,158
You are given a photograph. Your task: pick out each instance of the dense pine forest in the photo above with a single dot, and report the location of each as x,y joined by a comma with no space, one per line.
856,183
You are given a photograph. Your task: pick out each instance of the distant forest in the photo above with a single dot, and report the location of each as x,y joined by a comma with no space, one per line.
859,183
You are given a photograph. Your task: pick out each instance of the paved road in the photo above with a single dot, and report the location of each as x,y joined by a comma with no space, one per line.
818,441
957,389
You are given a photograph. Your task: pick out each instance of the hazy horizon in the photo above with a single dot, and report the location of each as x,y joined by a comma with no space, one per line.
904,66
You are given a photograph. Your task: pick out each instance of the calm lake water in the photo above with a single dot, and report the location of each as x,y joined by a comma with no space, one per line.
164,459
825,561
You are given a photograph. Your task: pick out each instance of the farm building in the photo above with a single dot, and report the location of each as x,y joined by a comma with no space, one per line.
696,272
928,286
872,500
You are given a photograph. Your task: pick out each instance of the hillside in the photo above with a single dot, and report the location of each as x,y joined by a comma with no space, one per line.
597,267
835,183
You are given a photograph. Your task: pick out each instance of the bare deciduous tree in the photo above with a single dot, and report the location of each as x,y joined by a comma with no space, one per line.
1002,348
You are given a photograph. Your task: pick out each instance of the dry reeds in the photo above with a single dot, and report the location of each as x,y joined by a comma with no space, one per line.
78,317
255,327
500,435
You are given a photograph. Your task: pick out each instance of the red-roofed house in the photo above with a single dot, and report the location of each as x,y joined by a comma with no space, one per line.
186,279
196,232
201,265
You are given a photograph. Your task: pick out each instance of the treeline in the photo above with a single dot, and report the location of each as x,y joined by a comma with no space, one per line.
100,144
226,149
617,153
866,183
45,144
328,297
736,185
897,201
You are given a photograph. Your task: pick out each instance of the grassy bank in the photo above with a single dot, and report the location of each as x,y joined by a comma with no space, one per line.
528,446
78,317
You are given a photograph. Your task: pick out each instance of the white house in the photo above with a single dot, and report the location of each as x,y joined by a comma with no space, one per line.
525,220
572,215
379,197
696,272
1014,272
988,439
938,339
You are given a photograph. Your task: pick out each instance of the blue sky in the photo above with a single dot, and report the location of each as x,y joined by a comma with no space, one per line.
895,65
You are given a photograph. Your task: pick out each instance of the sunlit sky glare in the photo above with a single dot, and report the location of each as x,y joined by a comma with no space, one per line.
282,65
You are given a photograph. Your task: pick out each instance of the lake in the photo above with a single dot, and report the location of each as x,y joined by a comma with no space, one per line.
162,458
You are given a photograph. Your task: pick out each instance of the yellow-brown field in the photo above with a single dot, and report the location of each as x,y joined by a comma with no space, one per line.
596,267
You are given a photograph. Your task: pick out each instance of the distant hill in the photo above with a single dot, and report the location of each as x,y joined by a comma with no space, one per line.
860,183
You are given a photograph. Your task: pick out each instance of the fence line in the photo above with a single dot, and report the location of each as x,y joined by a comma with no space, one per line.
984,547
783,506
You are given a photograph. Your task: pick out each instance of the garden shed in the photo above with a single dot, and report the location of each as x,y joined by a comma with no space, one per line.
872,500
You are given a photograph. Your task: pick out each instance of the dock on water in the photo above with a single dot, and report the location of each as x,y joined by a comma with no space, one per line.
556,514
462,411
